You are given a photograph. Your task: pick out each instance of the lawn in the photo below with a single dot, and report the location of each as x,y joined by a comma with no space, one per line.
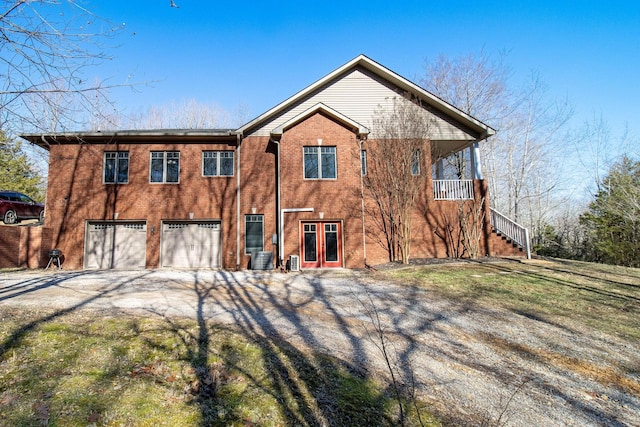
603,297
88,368
588,298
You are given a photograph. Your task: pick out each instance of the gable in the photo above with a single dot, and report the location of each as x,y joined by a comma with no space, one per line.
322,109
359,89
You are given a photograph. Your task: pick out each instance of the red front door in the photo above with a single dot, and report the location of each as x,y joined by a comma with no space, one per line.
321,244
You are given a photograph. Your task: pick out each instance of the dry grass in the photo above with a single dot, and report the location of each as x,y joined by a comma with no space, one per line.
603,374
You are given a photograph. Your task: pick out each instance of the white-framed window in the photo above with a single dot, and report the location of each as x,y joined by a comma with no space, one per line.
415,163
217,163
363,162
320,163
253,233
165,167
115,168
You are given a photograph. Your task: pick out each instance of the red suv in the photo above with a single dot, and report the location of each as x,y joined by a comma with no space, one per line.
14,207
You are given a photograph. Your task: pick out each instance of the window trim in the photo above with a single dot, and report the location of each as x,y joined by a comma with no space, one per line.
319,154
247,218
218,159
415,163
164,167
116,167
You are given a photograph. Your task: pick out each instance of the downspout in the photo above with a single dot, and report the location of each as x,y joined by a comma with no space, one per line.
279,226
364,236
238,212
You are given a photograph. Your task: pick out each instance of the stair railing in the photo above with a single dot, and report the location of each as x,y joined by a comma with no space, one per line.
514,231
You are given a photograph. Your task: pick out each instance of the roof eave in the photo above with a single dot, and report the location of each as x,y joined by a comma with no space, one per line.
44,140
321,108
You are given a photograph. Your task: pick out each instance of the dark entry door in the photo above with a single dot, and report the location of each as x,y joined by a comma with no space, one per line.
321,244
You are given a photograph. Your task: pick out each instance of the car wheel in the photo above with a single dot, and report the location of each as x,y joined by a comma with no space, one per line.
42,217
10,217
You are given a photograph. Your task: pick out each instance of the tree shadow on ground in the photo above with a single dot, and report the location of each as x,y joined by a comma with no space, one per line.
40,283
301,375
308,387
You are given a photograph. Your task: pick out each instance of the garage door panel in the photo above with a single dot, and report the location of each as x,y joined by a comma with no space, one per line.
99,245
191,245
175,245
130,246
115,245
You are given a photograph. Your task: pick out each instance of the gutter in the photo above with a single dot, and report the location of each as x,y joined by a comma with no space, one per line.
238,213
364,230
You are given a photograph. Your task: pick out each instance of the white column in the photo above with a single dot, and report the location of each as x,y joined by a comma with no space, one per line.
476,161
440,169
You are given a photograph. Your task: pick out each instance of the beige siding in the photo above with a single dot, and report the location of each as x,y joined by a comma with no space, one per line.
357,95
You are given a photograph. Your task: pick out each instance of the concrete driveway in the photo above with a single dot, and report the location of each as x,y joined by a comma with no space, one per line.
441,343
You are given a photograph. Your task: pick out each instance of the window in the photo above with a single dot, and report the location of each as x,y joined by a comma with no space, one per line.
363,161
22,198
320,162
415,163
253,233
165,166
116,167
217,163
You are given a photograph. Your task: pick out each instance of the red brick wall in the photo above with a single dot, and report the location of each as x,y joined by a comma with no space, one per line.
337,199
258,189
442,213
76,193
24,247
340,199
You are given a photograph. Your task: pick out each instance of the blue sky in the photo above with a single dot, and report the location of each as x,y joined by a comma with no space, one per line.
257,54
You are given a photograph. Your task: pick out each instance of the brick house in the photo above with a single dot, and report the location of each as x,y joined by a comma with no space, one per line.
286,185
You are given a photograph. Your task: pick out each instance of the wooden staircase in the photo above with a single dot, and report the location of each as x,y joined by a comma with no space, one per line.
511,231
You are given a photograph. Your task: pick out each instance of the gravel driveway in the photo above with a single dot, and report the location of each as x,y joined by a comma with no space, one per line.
467,361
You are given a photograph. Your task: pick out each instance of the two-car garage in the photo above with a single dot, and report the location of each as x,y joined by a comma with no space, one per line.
123,244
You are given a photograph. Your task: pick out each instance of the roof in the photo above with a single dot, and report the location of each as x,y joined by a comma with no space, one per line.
476,128
132,136
479,128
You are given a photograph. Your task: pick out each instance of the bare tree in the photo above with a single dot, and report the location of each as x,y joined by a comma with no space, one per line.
597,149
520,160
531,141
45,48
476,84
396,171
471,214
186,114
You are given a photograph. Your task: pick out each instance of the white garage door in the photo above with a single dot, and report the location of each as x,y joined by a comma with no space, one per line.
191,244
116,245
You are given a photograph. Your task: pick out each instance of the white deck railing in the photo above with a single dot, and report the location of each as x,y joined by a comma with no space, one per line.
453,189
514,231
